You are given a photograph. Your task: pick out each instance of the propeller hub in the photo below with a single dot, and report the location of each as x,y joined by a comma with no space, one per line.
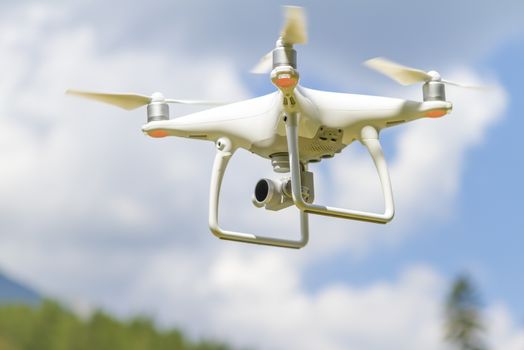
157,97
435,76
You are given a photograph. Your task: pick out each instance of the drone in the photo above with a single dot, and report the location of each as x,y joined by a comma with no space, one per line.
292,127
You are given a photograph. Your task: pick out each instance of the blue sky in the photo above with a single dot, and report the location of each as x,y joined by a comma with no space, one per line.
97,214
483,237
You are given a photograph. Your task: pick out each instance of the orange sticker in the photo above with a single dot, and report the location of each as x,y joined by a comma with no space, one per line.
436,113
285,82
157,133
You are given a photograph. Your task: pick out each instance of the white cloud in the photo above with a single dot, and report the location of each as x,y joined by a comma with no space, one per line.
257,299
503,334
78,175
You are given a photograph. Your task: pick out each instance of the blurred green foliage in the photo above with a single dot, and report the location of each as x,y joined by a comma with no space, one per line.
464,325
50,326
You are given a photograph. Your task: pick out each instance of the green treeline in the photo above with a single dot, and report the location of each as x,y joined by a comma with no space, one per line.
49,326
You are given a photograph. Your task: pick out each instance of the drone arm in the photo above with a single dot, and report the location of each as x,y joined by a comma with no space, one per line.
369,138
224,152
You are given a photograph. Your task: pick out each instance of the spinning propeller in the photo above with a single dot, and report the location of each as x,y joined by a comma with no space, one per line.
132,101
293,32
407,75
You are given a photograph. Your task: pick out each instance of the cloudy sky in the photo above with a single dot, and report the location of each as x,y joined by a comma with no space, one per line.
95,213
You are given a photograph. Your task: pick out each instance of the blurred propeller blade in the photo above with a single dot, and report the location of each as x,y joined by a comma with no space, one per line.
132,101
127,101
476,87
407,75
197,102
265,65
294,31
401,74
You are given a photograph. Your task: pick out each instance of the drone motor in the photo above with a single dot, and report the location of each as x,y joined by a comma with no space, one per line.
284,55
434,91
157,111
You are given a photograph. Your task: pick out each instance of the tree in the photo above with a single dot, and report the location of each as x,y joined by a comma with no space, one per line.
51,326
464,326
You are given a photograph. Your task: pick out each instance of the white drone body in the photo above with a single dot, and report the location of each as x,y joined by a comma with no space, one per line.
293,127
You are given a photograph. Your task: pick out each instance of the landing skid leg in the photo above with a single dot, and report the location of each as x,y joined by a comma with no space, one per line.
369,137
224,152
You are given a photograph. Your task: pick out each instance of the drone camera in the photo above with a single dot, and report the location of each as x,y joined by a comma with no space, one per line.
276,195
273,195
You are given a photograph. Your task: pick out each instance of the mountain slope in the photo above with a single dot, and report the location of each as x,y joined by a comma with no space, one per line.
14,292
